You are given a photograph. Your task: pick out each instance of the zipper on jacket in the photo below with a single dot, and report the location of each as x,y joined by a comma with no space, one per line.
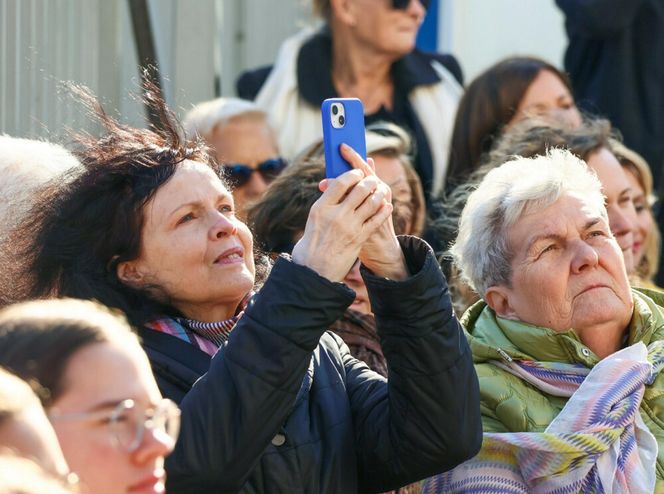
504,354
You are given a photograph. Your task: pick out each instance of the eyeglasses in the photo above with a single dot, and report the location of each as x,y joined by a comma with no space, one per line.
127,422
239,174
403,4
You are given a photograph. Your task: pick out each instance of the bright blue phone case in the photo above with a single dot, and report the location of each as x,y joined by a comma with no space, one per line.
352,133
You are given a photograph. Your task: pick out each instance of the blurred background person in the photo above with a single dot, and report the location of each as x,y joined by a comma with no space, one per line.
242,141
366,50
24,428
100,395
647,237
502,95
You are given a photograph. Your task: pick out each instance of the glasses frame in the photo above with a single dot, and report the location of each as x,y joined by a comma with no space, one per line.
403,4
166,411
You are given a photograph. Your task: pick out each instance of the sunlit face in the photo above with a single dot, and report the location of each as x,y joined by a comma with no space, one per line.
547,96
644,218
246,140
567,271
97,378
391,171
383,29
618,192
29,434
194,248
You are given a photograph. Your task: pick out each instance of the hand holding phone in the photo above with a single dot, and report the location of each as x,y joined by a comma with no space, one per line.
343,123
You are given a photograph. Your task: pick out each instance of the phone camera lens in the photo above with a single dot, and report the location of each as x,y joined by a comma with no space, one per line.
335,109
341,119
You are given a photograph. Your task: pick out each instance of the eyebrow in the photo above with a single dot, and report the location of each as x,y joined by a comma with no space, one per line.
197,203
554,236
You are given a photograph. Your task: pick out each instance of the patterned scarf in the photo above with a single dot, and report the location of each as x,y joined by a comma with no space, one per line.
206,336
598,443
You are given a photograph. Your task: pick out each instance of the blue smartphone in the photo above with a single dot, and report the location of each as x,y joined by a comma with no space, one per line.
343,123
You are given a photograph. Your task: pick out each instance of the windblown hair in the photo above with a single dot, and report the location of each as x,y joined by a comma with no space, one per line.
488,105
79,230
482,250
38,339
202,118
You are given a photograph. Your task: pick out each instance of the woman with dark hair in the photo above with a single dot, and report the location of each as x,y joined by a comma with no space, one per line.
98,391
504,94
270,402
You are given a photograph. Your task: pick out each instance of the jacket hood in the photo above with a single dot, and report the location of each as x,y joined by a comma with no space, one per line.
494,338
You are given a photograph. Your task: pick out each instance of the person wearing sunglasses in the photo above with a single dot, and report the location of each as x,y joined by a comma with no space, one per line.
114,427
365,49
242,141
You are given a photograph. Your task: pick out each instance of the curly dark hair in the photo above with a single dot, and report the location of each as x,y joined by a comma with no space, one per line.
81,228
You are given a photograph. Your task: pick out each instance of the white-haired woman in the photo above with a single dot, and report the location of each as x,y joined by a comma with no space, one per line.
568,356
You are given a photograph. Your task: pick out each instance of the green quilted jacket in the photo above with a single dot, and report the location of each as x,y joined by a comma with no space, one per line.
510,404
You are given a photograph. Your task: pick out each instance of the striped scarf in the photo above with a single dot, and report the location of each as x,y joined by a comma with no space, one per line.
598,443
206,336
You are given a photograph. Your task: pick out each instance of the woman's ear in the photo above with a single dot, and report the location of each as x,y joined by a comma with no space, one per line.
498,298
344,11
128,272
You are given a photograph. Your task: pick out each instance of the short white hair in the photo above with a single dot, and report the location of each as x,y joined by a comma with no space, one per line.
524,185
203,117
25,166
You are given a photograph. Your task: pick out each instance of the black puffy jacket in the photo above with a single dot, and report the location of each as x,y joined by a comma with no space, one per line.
285,408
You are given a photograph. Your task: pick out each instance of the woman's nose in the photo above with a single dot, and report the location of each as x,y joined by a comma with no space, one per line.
222,226
156,444
585,256
354,276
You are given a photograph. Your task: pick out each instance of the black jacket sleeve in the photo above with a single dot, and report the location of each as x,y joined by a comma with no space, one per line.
427,418
250,82
231,414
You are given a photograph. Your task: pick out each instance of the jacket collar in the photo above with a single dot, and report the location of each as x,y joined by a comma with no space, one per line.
314,70
488,333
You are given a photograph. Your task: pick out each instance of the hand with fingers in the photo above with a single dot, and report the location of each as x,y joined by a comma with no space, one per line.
381,253
353,206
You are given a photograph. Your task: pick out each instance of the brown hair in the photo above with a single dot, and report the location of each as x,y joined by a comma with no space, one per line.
489,103
37,339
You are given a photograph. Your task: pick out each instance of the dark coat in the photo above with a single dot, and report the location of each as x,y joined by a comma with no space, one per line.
285,408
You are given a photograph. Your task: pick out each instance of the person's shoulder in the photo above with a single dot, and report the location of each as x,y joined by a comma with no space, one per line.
250,82
511,401
448,61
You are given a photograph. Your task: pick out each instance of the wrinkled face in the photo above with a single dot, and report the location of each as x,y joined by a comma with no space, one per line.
194,249
644,218
98,378
246,140
378,26
618,192
391,171
29,434
567,270
547,96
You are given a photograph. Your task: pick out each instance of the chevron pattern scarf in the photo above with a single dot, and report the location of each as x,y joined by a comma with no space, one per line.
598,443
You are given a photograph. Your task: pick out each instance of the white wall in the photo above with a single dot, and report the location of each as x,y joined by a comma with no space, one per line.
482,32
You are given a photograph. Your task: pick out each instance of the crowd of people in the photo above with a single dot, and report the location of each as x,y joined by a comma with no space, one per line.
195,308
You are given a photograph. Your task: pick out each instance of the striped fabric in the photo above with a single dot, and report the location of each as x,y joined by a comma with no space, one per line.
174,328
598,443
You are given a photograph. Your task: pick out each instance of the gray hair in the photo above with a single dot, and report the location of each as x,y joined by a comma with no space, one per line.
524,185
25,166
203,117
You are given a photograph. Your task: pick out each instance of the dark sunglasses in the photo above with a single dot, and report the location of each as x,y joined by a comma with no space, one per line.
403,4
239,174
